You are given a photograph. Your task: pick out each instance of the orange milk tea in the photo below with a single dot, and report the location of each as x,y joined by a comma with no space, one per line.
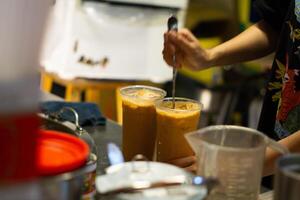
172,124
139,120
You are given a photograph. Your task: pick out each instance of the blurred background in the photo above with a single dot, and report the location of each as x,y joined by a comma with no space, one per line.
95,47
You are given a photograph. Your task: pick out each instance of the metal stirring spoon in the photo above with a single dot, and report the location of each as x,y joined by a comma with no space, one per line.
173,26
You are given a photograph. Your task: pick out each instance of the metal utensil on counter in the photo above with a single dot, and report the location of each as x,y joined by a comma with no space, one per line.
173,26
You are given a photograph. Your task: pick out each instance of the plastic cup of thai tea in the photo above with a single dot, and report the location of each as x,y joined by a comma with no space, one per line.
139,120
173,124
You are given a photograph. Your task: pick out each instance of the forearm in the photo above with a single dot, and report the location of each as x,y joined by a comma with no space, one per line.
291,142
257,41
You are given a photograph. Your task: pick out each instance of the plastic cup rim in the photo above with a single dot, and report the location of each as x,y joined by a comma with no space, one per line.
156,89
159,106
228,148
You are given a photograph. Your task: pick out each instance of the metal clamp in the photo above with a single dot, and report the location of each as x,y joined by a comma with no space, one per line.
57,116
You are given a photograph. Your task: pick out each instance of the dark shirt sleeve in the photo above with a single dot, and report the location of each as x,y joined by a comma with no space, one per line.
274,12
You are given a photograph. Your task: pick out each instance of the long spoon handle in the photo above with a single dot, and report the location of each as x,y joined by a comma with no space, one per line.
173,26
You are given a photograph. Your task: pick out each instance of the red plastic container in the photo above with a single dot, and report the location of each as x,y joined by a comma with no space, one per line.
59,152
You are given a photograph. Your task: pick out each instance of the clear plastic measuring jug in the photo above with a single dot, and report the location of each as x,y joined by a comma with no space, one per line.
235,156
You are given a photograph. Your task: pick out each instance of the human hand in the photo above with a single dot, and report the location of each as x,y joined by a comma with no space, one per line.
188,52
188,163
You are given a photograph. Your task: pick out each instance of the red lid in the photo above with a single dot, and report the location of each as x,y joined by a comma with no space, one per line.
59,152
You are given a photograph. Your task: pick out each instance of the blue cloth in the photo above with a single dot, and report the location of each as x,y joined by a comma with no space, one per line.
89,114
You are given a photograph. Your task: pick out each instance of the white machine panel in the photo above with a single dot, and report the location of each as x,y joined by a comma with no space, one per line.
130,37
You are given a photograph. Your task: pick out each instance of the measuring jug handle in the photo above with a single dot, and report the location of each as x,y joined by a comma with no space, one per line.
276,146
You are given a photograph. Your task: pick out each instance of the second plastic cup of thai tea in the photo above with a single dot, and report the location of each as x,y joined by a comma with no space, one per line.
173,124
139,120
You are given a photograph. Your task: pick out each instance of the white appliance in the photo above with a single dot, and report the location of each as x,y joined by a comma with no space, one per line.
128,34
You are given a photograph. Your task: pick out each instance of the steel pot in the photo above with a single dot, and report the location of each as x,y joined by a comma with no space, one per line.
66,186
77,184
54,121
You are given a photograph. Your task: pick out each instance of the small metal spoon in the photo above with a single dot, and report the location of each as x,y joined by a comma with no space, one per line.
173,26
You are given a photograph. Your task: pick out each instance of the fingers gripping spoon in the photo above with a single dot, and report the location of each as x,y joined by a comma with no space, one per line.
173,26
